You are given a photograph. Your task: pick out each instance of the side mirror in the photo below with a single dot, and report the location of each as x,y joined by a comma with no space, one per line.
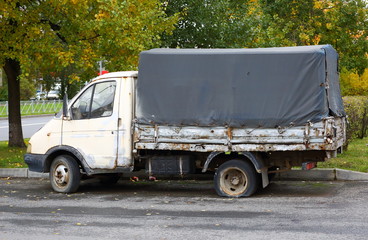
65,107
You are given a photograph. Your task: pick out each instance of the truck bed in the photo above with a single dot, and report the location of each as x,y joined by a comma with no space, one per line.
327,135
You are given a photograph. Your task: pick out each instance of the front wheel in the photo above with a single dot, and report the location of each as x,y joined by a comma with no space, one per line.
235,178
64,174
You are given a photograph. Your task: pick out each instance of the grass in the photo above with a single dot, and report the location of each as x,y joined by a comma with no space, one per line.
356,158
11,157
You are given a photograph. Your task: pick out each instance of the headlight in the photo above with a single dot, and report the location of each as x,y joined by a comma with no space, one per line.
29,148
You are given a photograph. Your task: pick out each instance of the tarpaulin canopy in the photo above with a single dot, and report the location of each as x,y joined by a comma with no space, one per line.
265,87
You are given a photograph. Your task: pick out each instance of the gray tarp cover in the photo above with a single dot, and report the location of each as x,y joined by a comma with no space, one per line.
267,87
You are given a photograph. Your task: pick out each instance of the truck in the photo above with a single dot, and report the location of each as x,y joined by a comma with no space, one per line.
239,115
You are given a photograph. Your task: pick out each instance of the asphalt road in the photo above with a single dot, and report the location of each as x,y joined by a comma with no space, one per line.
30,125
182,210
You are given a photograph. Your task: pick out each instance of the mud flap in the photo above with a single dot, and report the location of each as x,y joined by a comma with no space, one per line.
265,180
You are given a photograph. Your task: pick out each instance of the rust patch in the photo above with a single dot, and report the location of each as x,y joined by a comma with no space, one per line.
182,147
230,133
136,137
322,147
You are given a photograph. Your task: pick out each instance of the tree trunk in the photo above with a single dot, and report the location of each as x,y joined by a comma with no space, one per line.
364,128
12,70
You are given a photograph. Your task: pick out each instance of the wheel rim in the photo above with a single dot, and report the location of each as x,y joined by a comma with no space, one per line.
233,181
61,176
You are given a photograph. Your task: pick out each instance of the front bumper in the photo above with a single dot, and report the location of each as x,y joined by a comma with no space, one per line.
35,162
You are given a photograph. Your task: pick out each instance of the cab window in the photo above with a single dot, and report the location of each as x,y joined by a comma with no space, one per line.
96,101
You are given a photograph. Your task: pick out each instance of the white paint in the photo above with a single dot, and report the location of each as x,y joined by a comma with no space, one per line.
105,142
95,138
47,137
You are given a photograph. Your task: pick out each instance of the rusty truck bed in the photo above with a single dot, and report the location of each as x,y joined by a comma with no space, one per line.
326,135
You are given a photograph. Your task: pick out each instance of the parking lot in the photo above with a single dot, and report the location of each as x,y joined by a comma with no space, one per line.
183,209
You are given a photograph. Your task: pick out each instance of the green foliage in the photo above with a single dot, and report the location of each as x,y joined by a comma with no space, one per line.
346,29
273,23
341,23
353,84
355,159
211,24
70,81
50,36
27,88
3,93
200,23
4,87
356,109
293,22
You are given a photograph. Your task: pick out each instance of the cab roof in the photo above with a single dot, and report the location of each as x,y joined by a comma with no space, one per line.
116,75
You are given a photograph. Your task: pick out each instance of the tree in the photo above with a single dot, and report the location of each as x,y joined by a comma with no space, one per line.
273,23
341,23
211,24
54,34
346,30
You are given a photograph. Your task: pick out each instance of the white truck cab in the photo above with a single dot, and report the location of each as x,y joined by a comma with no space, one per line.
96,130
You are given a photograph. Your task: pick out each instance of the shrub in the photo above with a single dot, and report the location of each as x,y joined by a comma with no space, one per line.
356,108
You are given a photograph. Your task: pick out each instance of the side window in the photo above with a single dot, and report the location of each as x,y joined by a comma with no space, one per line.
103,100
97,101
80,108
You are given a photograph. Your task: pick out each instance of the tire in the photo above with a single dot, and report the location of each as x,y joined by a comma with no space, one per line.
65,174
236,178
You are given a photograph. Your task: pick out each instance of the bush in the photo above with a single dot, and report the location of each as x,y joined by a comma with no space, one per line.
356,108
352,84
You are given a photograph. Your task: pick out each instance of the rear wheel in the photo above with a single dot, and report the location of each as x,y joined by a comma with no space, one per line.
236,178
65,174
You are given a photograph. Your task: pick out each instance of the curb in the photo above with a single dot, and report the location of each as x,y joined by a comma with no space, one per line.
327,174
21,173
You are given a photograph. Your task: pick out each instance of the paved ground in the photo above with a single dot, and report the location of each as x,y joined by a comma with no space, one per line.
183,210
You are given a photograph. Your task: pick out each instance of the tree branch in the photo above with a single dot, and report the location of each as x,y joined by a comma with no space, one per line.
91,38
55,27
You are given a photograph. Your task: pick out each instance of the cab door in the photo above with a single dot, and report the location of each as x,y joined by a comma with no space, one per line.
93,125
